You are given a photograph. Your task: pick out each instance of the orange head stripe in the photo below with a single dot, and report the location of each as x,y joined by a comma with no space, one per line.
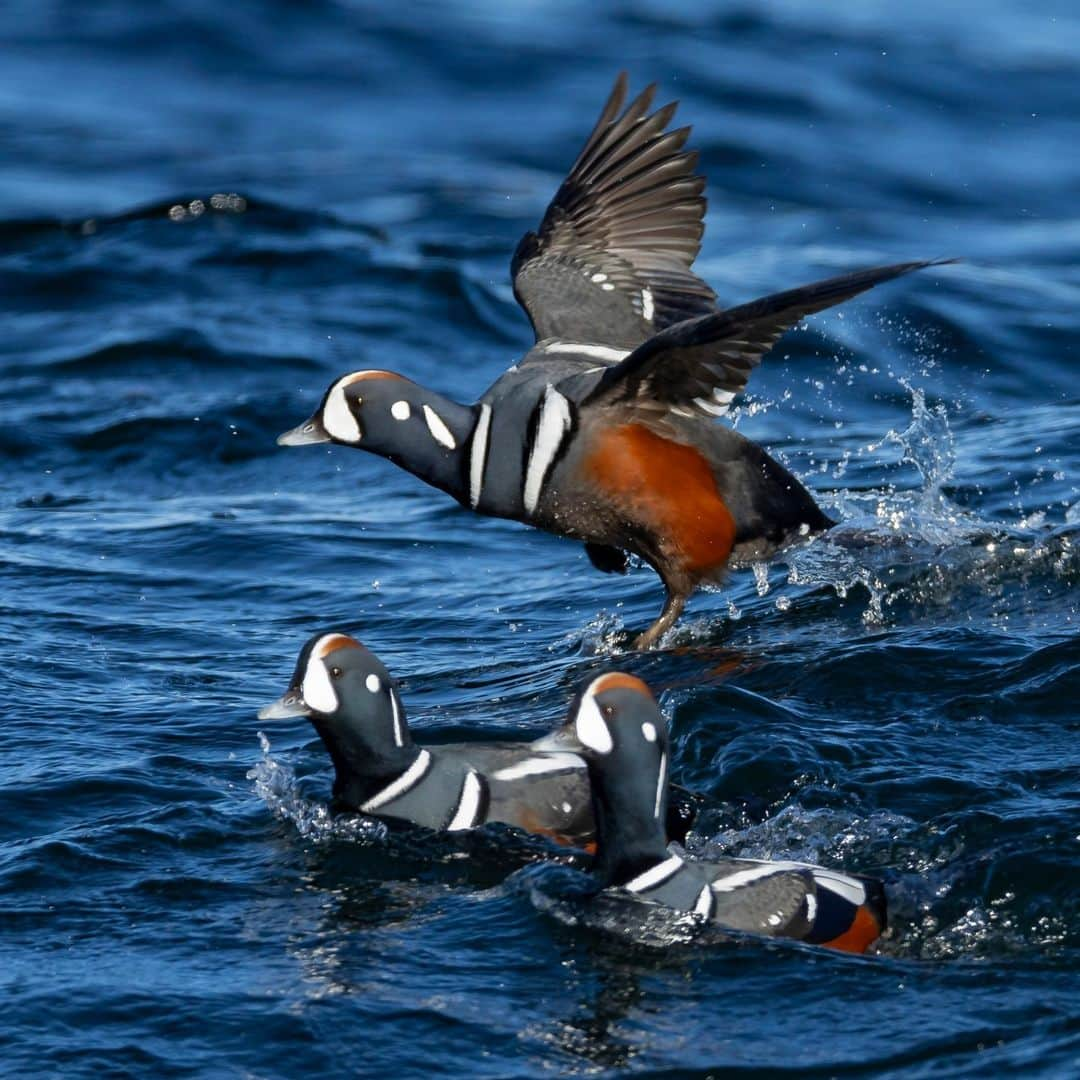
334,642
617,680
859,936
360,376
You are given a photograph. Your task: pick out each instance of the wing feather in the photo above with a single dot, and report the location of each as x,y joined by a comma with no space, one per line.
699,365
610,263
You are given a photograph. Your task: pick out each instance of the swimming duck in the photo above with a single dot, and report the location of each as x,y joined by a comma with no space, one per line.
616,726
354,704
604,431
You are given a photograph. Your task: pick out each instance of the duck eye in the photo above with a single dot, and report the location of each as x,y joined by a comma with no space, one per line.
335,672
607,711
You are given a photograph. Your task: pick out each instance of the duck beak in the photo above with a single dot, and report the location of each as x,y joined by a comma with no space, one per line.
310,431
289,704
562,741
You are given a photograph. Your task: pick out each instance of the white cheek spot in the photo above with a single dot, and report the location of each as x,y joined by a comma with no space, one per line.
400,410
592,730
439,431
566,808
316,689
648,308
372,683
337,417
649,731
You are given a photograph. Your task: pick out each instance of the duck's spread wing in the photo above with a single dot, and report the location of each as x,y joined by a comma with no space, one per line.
698,366
610,263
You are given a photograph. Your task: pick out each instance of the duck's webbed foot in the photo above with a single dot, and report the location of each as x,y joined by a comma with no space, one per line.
673,608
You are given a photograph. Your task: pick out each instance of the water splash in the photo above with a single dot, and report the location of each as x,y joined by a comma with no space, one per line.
275,783
917,546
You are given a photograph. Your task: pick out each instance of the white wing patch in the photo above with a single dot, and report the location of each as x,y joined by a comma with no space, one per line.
598,352
468,808
661,776
744,877
537,766
648,308
551,429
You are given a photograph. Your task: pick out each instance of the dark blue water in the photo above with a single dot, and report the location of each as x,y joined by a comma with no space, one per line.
175,899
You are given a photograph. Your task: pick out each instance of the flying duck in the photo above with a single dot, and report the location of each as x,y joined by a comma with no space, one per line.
606,430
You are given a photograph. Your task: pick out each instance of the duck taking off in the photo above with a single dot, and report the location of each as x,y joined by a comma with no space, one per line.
605,431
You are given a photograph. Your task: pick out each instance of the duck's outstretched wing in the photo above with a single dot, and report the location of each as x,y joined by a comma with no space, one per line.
698,366
610,263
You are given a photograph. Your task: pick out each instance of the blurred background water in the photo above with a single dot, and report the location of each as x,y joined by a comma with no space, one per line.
175,898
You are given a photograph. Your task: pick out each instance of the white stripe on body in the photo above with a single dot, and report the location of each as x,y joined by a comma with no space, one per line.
537,766
478,455
655,875
551,430
405,782
468,807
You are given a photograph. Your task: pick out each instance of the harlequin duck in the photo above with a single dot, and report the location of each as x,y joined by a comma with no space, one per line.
353,703
616,726
603,432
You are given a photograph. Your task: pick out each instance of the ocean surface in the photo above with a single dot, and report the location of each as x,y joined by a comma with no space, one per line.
207,212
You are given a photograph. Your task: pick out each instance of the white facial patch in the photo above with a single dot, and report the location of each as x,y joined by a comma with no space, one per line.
337,417
439,431
400,410
373,683
649,731
316,689
591,727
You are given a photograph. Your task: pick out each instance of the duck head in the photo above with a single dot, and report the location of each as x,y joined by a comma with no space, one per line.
396,418
616,726
352,702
